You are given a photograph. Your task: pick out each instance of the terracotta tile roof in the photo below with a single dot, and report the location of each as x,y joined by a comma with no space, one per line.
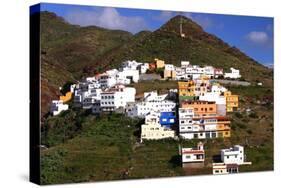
193,152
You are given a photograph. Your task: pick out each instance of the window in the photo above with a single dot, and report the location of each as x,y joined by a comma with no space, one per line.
195,135
187,157
216,171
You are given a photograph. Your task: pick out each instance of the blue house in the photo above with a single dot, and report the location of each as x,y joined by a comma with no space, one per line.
167,119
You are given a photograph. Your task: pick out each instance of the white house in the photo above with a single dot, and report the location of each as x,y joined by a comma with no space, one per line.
116,97
186,122
235,73
130,65
91,97
193,155
127,76
209,71
57,106
108,79
141,109
72,88
152,103
153,96
194,71
180,74
233,155
152,117
169,67
144,67
154,131
185,63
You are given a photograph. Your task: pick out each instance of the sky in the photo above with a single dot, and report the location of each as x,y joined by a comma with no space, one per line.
252,35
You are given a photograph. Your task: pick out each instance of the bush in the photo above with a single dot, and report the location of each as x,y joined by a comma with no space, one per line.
59,129
253,115
238,115
241,126
50,165
249,131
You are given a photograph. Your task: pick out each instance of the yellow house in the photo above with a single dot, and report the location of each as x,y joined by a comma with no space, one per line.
154,131
169,74
223,127
186,88
231,101
67,97
159,63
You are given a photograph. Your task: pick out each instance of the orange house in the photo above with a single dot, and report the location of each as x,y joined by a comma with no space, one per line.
67,97
156,64
223,127
201,108
231,101
186,88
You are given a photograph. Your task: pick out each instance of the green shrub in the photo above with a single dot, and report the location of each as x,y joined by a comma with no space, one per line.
253,115
238,115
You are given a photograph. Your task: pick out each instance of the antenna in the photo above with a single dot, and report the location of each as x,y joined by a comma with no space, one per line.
181,33
181,26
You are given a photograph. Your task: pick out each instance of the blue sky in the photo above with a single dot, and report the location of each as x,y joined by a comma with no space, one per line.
252,35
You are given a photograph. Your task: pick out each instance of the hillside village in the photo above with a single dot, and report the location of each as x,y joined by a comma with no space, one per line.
197,109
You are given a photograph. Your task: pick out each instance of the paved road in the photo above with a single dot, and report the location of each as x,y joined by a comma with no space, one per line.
150,77
232,82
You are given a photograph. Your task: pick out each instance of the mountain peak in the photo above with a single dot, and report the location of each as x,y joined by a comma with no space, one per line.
181,23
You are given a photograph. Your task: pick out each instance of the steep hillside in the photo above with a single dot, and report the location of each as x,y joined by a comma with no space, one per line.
198,47
67,51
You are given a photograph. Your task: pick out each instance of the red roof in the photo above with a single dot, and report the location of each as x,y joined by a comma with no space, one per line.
193,152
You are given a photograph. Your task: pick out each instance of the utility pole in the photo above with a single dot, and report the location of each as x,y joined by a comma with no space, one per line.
181,33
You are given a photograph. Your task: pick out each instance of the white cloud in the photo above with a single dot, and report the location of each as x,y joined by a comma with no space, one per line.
107,18
258,37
